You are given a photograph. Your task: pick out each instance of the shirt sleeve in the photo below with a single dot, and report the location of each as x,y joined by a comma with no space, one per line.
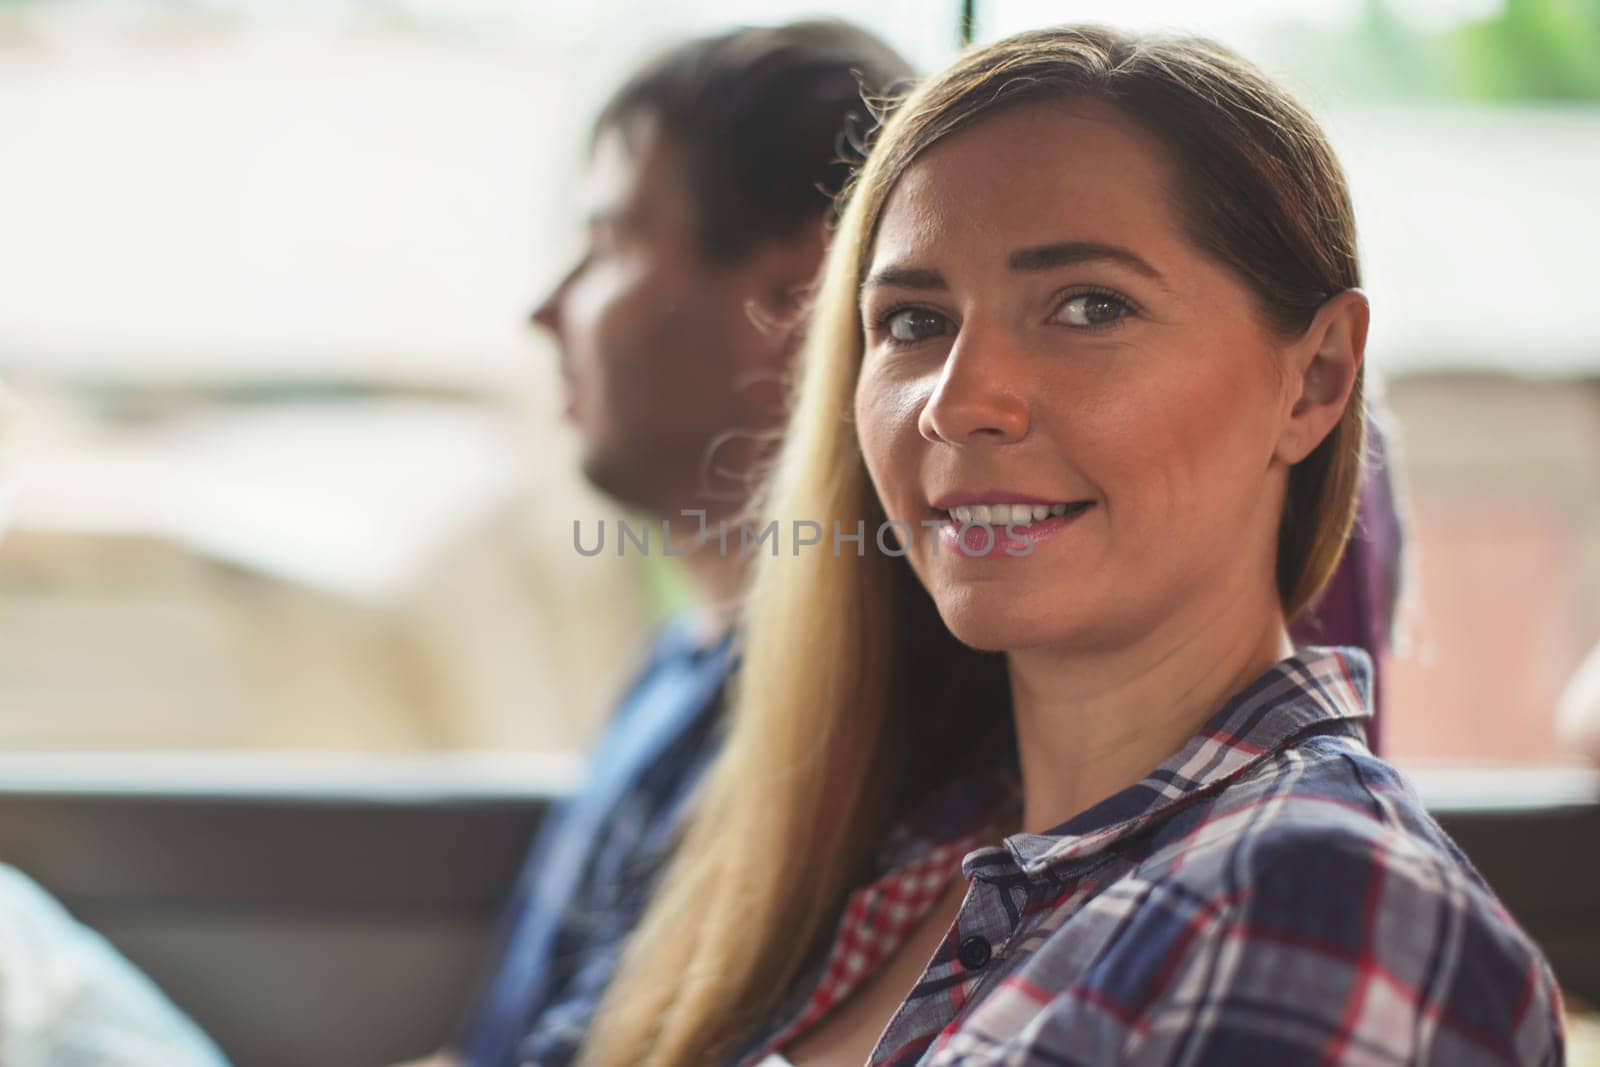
69,999
1343,951
559,1031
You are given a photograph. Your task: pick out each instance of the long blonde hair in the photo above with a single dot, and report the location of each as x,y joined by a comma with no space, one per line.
820,756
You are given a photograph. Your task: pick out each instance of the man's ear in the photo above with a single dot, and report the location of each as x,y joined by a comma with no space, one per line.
782,273
1321,372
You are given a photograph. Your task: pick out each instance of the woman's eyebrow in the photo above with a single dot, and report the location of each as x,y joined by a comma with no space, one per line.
1066,253
905,278
1039,257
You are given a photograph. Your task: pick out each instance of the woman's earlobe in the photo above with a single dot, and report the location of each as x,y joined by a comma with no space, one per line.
1288,450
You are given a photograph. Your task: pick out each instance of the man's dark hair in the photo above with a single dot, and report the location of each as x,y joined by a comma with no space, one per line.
770,121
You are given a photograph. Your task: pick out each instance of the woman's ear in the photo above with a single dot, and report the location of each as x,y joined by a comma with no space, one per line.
1322,369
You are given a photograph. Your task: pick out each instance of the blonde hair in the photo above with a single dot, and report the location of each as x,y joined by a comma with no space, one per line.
820,757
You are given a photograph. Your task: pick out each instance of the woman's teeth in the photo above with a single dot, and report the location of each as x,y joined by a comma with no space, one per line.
1009,514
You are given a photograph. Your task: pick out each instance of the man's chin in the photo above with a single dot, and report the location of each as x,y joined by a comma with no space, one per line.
625,478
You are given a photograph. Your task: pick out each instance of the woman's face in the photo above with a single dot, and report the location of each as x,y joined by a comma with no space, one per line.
1039,330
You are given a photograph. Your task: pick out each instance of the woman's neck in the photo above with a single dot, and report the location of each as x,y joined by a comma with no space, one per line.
1092,724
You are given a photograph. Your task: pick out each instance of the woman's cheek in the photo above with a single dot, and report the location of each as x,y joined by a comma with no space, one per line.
886,422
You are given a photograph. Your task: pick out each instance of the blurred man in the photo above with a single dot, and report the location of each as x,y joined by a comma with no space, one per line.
710,179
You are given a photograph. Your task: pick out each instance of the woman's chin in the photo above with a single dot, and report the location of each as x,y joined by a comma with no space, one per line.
992,625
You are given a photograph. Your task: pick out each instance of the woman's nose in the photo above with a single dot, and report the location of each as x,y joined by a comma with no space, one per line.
980,395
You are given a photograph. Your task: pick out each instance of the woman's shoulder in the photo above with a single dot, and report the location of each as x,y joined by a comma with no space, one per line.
1327,804
1330,883
1291,914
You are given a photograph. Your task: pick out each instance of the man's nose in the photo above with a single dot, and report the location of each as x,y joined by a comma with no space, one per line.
548,313
981,395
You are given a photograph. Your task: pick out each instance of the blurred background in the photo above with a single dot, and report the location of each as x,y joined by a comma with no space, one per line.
289,471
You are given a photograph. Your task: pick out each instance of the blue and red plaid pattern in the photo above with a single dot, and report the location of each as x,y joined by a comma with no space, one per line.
877,921
1272,894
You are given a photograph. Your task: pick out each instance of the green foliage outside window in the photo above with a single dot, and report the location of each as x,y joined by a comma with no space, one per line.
1529,51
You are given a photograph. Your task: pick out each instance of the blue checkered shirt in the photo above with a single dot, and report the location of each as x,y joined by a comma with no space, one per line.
1271,894
597,858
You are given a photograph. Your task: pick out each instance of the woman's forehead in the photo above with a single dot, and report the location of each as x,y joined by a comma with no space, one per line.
1035,172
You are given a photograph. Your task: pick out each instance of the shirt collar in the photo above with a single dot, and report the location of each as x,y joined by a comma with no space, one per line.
1323,689
678,638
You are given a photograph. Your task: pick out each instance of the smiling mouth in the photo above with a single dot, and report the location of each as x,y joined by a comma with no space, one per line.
1020,515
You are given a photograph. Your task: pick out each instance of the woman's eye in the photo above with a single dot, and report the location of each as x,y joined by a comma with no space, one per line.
1093,309
909,325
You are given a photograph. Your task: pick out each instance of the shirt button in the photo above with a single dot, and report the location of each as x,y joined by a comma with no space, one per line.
974,952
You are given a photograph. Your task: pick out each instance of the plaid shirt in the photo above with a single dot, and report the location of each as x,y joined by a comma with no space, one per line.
1273,893
596,860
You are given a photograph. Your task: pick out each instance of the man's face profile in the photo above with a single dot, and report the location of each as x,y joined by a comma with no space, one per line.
652,336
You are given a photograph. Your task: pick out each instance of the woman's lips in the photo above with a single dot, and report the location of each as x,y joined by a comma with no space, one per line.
974,541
